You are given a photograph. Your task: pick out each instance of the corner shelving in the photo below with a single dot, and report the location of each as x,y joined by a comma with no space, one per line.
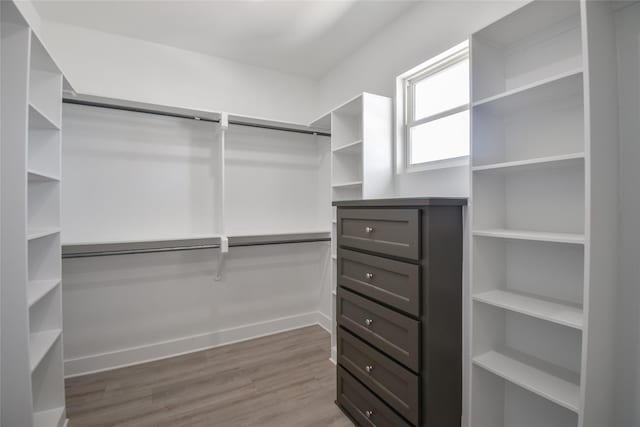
541,226
361,162
31,255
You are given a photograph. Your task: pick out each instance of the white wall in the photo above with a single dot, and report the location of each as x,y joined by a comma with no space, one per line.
128,309
426,30
628,344
120,67
136,176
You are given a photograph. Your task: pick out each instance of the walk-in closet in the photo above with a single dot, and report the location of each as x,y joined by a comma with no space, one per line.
319,213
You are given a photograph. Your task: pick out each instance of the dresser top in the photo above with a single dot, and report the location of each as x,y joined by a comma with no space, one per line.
403,202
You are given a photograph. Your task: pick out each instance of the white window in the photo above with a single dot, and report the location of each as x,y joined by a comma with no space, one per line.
432,112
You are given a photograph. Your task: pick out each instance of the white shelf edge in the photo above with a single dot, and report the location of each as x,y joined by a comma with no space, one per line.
347,184
346,147
35,176
51,124
49,418
39,233
40,343
38,289
562,314
525,88
570,238
549,160
552,388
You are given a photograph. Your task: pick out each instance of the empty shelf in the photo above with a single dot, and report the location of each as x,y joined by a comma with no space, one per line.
572,238
562,86
562,314
347,184
39,120
41,177
351,148
39,233
551,387
49,418
36,289
39,345
530,164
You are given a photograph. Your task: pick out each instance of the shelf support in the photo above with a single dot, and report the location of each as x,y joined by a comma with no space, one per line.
224,240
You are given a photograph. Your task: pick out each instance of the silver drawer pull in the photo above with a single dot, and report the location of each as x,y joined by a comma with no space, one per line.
368,229
369,276
368,413
368,368
368,322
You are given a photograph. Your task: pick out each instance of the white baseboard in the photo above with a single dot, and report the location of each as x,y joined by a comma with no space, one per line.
162,350
324,321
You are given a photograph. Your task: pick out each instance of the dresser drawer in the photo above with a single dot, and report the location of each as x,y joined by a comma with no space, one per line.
394,232
394,283
397,386
391,332
364,406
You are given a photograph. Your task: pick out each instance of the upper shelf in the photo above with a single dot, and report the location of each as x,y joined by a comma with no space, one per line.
532,164
564,85
191,113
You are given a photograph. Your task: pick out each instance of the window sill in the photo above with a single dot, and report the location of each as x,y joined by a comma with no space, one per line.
439,164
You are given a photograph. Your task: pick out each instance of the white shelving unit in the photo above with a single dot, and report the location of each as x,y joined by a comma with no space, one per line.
542,159
361,162
32,360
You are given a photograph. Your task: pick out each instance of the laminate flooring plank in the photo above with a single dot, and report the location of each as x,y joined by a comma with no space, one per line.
281,380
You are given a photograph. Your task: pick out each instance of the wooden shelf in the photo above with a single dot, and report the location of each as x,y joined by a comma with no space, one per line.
538,381
39,345
37,289
562,314
564,85
500,233
34,176
348,184
350,148
39,120
39,233
562,160
49,418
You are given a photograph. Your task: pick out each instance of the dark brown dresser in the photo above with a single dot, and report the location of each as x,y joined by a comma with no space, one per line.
399,311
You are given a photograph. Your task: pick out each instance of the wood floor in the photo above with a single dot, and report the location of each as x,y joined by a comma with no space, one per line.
282,380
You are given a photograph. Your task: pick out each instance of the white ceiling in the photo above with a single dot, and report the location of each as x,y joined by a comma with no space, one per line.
305,37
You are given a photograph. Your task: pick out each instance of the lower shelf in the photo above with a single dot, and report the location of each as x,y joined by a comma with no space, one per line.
51,418
551,387
39,345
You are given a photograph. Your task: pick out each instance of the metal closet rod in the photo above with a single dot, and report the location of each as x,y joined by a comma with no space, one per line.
185,116
188,248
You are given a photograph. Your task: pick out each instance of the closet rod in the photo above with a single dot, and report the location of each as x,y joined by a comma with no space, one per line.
184,116
189,248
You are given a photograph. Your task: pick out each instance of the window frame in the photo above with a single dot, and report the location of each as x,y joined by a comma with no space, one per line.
405,108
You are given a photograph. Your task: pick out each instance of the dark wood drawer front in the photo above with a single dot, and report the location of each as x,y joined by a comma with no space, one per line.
364,406
396,385
394,232
394,334
394,283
